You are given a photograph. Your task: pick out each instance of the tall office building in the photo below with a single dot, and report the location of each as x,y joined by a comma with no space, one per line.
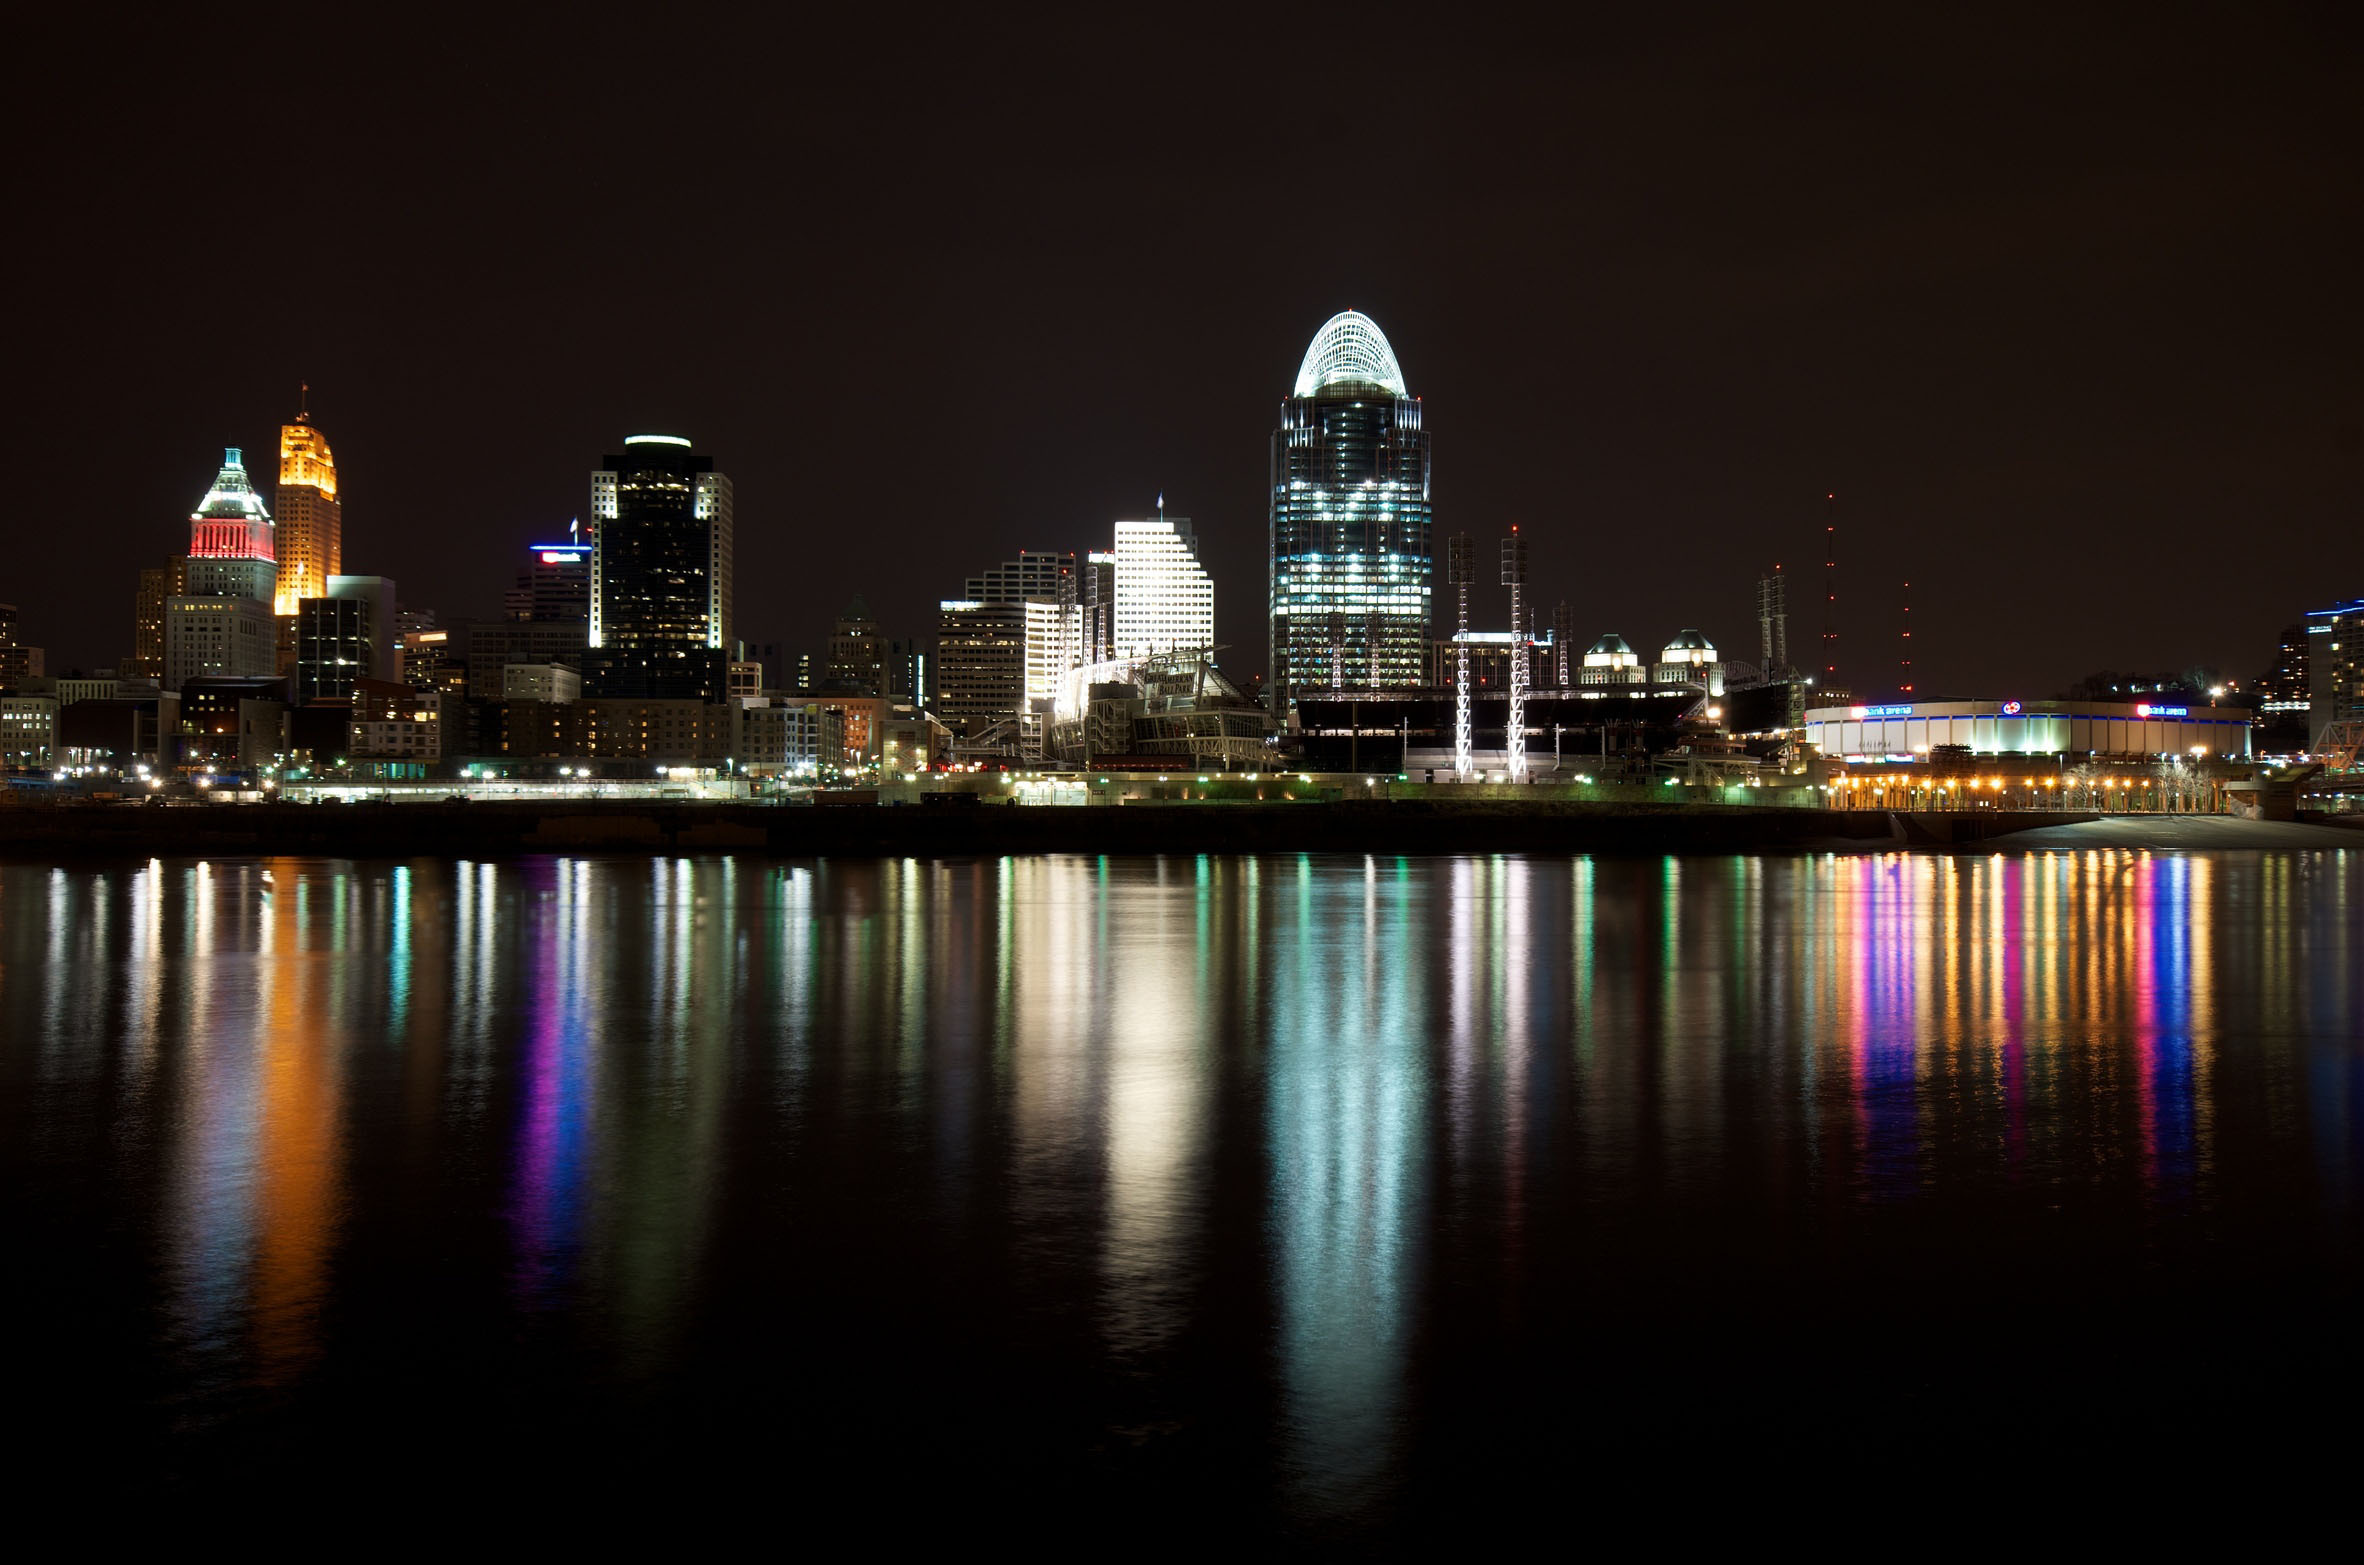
1350,518
158,584
2335,668
219,620
660,574
857,653
1049,574
1097,600
1165,601
18,662
311,517
555,585
980,663
233,548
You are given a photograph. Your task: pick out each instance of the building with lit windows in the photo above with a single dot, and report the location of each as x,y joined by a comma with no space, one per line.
2335,668
1612,661
555,586
1350,520
233,637
857,652
233,549
1690,658
158,585
18,662
311,518
28,729
1036,573
980,663
1165,601
2063,729
661,617
396,722
343,636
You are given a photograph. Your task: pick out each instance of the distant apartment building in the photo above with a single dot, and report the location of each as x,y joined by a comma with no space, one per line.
980,663
18,662
857,653
436,660
157,585
124,731
232,722
2335,668
676,731
28,729
394,721
540,682
334,648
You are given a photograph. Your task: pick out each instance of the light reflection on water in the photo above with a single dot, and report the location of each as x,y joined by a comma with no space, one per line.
1334,1120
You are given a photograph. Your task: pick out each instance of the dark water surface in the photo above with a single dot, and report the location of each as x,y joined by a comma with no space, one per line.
1317,1194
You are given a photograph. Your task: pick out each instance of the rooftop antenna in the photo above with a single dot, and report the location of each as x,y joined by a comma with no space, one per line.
1830,590
1907,641
303,402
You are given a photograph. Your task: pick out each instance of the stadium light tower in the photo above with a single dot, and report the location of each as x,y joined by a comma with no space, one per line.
1458,570
1514,576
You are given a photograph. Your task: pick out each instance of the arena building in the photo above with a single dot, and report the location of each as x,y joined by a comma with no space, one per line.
2053,728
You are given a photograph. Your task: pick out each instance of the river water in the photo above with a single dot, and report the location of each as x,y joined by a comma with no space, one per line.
1312,1195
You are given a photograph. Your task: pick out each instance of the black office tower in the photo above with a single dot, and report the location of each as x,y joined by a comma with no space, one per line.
660,574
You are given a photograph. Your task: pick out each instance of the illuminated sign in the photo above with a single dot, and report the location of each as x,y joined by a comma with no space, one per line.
2010,709
560,554
2147,710
1883,711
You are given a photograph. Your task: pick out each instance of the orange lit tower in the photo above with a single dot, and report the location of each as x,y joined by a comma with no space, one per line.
311,519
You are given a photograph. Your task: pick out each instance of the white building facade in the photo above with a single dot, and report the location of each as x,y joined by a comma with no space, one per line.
1165,601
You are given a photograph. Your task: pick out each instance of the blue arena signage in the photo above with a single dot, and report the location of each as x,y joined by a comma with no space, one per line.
1883,711
2147,710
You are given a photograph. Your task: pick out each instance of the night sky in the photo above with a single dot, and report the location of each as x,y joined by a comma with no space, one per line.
2067,312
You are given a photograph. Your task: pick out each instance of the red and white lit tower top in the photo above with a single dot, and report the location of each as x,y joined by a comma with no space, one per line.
231,522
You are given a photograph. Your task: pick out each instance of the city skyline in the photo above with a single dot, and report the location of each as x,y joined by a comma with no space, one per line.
1988,295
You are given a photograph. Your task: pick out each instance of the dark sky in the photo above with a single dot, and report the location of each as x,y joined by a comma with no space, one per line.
2066,311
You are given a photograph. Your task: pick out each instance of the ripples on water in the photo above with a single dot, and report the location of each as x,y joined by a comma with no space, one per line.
1311,1191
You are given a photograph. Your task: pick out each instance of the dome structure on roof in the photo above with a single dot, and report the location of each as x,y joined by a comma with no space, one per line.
1350,349
1610,661
1689,646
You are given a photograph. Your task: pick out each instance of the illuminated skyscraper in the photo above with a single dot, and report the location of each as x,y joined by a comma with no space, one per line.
1350,519
219,622
311,518
660,573
233,550
1165,601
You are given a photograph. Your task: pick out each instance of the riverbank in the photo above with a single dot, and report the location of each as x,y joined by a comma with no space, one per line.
483,829
2187,833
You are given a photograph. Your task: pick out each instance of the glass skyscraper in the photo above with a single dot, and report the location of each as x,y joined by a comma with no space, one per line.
660,573
1350,520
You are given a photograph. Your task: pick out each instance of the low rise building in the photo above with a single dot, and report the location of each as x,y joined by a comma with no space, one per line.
2064,729
540,682
28,729
393,721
